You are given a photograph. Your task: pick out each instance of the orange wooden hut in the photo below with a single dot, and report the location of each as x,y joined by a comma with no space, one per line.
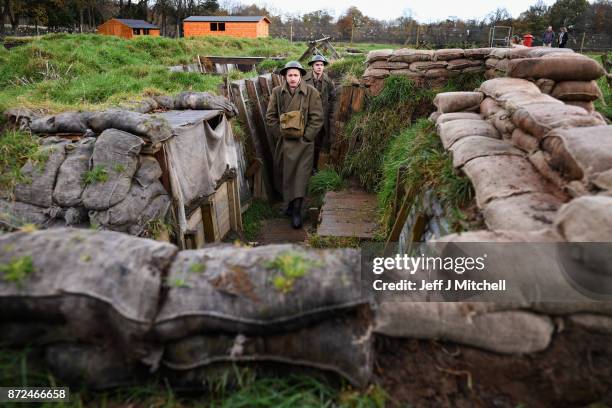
234,26
128,28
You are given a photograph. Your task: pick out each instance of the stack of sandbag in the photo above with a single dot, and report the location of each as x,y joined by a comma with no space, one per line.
509,190
497,62
422,64
103,181
82,293
276,304
528,117
111,320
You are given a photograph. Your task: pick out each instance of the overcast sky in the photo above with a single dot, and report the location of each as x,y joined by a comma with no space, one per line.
423,10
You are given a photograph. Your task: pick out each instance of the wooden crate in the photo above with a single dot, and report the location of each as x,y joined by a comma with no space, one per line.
222,213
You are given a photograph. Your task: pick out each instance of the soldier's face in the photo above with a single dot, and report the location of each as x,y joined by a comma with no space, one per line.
293,77
318,67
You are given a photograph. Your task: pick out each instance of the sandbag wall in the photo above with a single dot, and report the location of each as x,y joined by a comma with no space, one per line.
541,172
121,169
106,321
421,65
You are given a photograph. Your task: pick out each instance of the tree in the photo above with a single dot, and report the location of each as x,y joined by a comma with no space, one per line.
534,20
500,16
349,21
567,12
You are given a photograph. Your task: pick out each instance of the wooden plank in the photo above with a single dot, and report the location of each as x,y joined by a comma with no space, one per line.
399,189
209,219
357,99
349,213
401,217
418,228
195,229
276,80
264,96
260,127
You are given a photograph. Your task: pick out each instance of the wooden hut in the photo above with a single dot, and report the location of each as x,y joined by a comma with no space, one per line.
234,26
127,28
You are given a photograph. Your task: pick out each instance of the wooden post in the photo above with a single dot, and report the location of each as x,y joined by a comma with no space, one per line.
401,217
416,43
582,42
260,127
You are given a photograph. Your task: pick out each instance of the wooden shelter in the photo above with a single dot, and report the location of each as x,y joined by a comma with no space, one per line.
233,26
128,28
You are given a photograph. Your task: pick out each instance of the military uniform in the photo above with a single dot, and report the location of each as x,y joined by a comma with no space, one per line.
293,157
326,89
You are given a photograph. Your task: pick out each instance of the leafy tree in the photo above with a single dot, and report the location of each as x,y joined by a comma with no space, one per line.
567,12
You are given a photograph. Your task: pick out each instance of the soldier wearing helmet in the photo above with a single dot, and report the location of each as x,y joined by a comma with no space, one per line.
322,83
294,117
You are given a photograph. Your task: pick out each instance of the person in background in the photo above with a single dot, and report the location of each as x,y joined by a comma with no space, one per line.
295,117
549,37
322,83
563,36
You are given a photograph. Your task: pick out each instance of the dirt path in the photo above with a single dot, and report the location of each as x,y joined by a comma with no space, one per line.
575,370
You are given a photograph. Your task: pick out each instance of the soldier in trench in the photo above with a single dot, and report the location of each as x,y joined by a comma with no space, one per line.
319,79
295,117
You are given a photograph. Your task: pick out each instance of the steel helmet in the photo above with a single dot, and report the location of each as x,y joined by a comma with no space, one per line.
295,65
317,58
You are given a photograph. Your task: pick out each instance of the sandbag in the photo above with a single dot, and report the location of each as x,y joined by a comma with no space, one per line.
410,55
512,101
474,69
568,308
103,285
15,214
592,322
491,63
580,153
541,161
586,91
129,215
204,101
448,102
389,65
447,117
499,53
339,345
462,63
407,72
557,69
378,55
495,177
437,73
165,101
448,54
477,53
524,212
234,290
500,86
149,171
587,106
452,131
93,366
508,332
69,185
539,119
546,85
536,52
524,141
153,128
19,117
489,107
67,122
40,175
586,219
422,66
471,147
546,235
116,154
502,122
146,105
376,73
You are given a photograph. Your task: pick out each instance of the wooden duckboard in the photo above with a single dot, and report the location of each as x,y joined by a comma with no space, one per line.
348,213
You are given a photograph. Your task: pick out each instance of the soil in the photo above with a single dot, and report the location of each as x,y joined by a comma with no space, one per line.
574,371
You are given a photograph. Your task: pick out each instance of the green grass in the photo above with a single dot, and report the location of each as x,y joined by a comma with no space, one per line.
61,72
290,266
98,174
419,151
322,182
25,368
252,218
17,269
16,148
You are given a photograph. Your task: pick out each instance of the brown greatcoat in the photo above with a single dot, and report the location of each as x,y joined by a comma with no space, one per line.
293,158
328,97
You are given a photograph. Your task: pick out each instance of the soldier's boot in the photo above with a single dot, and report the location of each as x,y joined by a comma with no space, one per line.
296,219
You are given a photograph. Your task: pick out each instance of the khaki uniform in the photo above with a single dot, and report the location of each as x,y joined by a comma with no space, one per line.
293,158
326,89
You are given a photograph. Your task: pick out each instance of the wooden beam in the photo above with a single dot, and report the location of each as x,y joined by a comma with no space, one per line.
260,126
401,217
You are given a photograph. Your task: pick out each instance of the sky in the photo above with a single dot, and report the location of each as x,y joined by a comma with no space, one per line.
422,10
